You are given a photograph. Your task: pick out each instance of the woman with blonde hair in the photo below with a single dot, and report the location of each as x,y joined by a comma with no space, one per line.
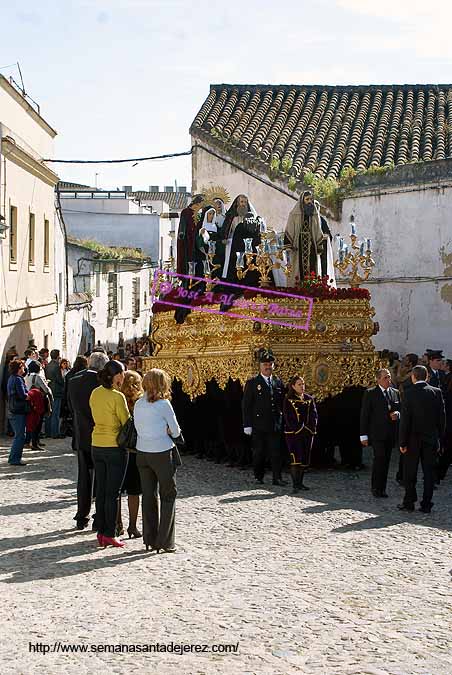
157,460
133,390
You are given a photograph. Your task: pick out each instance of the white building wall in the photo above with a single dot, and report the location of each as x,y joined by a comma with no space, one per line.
411,233
19,116
27,291
93,279
98,205
116,229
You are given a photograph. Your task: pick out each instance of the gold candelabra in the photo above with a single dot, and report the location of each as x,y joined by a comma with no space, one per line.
357,257
270,254
208,269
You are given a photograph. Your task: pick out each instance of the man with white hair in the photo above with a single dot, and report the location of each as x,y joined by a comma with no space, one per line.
79,391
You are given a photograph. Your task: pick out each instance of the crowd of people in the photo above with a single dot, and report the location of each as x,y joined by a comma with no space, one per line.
99,394
40,395
410,408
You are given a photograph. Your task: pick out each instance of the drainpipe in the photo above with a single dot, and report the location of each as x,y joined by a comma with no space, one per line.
2,202
63,227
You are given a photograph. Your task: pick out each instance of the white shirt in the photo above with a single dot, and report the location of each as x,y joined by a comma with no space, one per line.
151,422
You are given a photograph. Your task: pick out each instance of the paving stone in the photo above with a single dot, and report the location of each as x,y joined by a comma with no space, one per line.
333,583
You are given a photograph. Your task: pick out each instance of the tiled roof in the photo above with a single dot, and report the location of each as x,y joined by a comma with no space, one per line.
175,200
324,129
64,185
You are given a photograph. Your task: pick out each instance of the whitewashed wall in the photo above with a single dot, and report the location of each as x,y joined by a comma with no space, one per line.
117,229
411,231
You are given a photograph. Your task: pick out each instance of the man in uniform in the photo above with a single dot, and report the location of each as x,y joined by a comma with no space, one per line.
262,417
436,374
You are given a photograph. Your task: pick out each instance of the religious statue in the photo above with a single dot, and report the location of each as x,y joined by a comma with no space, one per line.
307,234
186,234
233,235
210,230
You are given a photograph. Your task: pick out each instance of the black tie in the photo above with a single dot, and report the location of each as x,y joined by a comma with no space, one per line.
388,400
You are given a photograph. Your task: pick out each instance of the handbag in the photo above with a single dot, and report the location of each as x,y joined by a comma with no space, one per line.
127,437
179,442
47,397
175,457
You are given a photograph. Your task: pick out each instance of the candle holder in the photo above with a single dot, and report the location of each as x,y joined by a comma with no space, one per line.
271,254
192,272
209,267
355,262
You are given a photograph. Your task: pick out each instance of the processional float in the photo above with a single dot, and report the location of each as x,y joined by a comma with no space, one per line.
316,330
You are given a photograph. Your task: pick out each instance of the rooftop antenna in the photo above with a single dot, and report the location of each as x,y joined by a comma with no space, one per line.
21,78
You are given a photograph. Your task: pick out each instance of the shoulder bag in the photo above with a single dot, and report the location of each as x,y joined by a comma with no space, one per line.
127,437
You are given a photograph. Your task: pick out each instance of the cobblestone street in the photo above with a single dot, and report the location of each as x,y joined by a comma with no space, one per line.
333,582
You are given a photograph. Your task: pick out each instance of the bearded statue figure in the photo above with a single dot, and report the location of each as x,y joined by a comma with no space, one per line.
307,234
234,229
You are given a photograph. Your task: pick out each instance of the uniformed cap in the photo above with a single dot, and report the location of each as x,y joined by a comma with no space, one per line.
265,356
434,353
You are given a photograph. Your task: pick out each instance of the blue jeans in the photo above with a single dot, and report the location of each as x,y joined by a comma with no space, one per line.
53,422
18,425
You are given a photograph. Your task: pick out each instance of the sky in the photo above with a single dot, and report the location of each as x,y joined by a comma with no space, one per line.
125,78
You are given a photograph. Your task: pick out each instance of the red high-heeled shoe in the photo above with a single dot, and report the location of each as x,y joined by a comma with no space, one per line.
111,541
100,539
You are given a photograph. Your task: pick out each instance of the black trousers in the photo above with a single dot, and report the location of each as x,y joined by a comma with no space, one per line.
424,451
445,459
158,478
33,436
380,466
110,465
266,445
85,484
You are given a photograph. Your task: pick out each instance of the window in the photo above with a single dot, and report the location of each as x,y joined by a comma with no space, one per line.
46,243
121,297
31,239
12,234
112,295
136,298
97,284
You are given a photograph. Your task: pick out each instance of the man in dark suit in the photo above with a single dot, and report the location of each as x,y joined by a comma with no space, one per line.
380,413
262,417
436,374
79,391
422,426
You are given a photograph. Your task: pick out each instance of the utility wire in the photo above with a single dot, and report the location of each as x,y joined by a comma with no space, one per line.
117,161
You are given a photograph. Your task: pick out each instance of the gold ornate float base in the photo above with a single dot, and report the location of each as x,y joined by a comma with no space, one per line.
335,353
